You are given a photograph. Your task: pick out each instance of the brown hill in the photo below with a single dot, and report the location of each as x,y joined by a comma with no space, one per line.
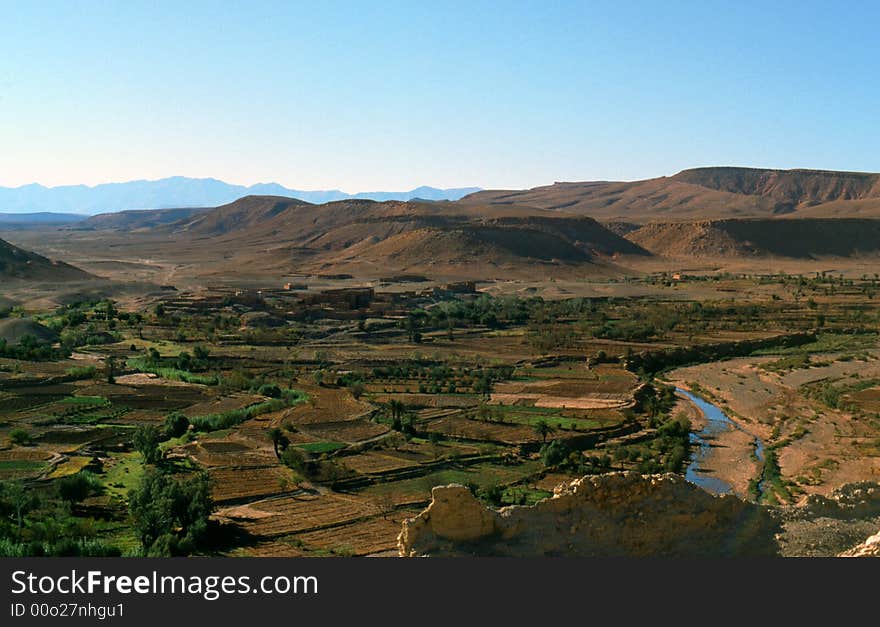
789,188
137,219
701,193
795,238
278,233
239,216
16,263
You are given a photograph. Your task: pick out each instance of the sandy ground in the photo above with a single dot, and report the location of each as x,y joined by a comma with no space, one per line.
563,402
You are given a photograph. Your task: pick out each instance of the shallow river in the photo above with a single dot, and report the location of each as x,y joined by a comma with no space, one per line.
717,422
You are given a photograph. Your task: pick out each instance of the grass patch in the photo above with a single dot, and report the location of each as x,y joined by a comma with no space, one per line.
172,374
70,467
555,421
122,475
773,484
21,465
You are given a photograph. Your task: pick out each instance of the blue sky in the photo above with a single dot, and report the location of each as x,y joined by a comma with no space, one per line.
391,95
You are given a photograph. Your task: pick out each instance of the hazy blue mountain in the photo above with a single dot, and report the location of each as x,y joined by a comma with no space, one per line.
177,192
20,221
43,217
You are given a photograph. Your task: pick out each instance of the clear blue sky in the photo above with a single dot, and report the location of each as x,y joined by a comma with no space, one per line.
390,95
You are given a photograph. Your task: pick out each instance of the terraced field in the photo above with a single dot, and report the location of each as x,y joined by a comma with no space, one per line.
319,434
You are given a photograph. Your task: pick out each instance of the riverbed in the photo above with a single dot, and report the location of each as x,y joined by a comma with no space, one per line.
724,455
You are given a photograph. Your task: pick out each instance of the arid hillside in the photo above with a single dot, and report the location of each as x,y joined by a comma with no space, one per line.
16,263
373,237
726,216
137,219
800,239
704,193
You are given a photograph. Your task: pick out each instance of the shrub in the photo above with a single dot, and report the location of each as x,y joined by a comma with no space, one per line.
81,372
20,437
269,389
176,424
75,488
554,453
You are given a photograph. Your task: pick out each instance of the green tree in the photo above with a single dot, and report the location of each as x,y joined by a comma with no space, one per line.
20,437
396,409
170,514
554,453
74,488
280,442
110,364
146,441
543,429
16,501
176,424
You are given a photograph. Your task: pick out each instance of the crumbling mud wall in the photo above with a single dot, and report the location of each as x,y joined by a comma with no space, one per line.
610,515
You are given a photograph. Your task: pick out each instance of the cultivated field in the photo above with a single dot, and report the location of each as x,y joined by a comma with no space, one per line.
319,420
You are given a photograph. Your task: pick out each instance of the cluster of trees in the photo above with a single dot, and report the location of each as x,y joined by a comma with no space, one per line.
657,360
181,368
655,401
400,419
39,522
148,438
558,454
29,348
198,361
88,323
170,513
431,378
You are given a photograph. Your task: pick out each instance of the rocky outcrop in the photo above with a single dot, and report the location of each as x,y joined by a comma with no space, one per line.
868,548
611,515
826,526
852,501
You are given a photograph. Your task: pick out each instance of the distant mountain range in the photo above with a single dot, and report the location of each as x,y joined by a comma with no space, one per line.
177,192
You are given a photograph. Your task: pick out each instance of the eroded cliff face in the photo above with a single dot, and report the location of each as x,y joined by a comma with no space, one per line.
611,515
